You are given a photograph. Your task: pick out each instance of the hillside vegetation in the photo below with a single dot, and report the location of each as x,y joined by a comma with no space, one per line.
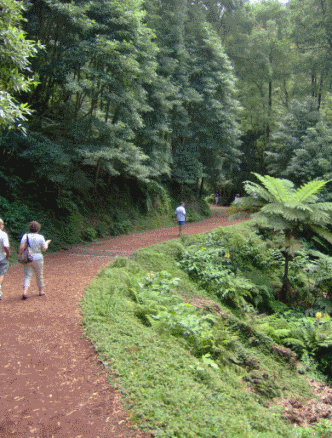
73,221
193,336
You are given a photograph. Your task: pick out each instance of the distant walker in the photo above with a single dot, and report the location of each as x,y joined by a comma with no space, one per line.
181,216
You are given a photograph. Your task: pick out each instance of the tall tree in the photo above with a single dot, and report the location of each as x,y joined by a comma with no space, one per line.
203,133
312,159
257,40
99,57
259,46
290,134
312,35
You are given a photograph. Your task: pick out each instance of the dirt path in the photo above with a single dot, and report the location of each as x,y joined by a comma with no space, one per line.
51,384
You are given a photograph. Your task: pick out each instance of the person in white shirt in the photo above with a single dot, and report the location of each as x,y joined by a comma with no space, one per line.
37,244
181,216
4,253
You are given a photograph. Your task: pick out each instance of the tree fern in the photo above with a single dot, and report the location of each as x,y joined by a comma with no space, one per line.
285,208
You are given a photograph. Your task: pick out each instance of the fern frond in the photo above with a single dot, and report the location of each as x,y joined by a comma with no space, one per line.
294,215
273,208
319,254
293,341
309,189
246,202
299,206
254,189
279,334
273,223
280,189
325,206
322,232
320,217
327,343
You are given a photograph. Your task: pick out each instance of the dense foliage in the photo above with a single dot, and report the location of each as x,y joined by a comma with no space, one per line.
15,51
111,97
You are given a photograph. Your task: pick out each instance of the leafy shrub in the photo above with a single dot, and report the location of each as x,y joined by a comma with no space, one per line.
209,199
165,311
310,338
217,269
158,199
16,217
89,234
101,229
123,227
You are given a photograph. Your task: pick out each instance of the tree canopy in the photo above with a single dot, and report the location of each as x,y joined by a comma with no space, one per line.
194,95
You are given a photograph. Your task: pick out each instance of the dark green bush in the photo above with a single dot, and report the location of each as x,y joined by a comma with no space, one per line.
16,217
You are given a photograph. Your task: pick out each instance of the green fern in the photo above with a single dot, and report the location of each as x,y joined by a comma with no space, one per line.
309,191
285,208
322,232
278,188
311,337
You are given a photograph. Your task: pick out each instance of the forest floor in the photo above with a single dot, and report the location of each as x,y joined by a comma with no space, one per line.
51,383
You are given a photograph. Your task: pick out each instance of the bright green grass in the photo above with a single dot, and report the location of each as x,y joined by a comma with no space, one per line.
169,392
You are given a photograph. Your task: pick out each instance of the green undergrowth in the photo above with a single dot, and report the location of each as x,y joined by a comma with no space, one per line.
70,221
187,364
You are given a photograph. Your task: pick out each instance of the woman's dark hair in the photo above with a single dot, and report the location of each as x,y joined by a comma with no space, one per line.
34,227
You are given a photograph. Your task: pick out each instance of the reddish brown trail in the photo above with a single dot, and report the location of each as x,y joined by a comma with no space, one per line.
51,383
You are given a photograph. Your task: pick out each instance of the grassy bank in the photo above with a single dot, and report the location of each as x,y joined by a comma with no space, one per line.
187,364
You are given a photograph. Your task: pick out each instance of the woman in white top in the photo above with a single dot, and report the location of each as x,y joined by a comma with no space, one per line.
37,244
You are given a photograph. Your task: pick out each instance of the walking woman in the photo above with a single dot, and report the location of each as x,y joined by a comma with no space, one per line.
37,244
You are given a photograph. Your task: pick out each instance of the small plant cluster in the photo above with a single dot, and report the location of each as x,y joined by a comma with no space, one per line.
158,306
213,268
309,337
323,429
225,266
285,353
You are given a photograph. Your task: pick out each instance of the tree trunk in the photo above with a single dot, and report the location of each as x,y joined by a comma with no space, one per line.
286,95
201,188
285,281
96,177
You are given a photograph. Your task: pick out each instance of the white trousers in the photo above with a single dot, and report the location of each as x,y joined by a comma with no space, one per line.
36,266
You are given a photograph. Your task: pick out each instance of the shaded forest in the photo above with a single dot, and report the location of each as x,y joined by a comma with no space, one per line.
143,103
